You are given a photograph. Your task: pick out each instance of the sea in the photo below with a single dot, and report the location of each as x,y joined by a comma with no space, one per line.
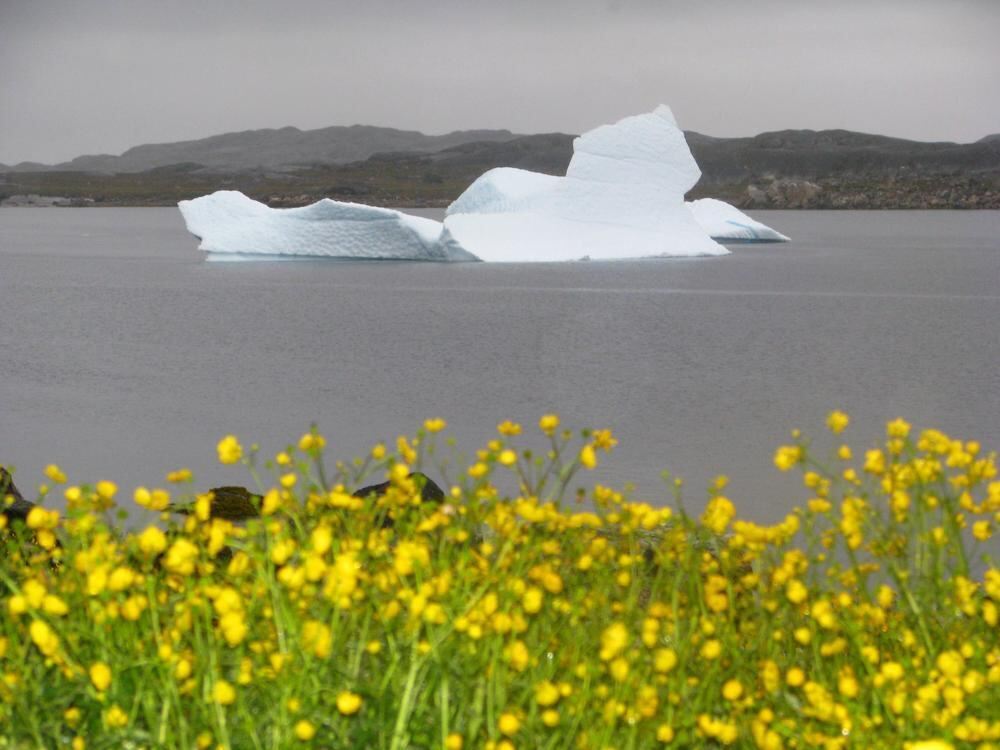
124,355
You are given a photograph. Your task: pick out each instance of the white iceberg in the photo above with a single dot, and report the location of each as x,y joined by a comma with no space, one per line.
232,226
622,197
728,224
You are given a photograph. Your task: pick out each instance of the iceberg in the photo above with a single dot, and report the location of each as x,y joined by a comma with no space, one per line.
232,226
728,224
622,198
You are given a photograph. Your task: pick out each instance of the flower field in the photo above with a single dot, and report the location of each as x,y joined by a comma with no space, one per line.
543,618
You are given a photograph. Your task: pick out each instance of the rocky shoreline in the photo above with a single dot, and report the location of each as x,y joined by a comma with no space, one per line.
834,193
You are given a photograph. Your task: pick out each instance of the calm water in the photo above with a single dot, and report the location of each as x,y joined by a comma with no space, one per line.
123,355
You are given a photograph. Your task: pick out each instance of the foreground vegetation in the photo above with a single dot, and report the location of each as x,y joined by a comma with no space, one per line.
866,618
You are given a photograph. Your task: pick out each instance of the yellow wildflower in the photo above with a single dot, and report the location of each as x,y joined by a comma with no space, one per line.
115,717
223,693
229,449
787,456
305,730
435,425
718,513
837,421
348,703
548,424
732,690
44,637
100,675
508,724
614,639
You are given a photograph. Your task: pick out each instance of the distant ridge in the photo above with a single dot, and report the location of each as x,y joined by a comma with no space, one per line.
799,154
390,167
269,148
820,154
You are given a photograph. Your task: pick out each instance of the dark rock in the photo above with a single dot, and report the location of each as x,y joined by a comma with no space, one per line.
239,504
18,508
232,503
429,491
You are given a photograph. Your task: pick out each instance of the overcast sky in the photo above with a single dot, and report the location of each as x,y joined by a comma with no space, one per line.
99,76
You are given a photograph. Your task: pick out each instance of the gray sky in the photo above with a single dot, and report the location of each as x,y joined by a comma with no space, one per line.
99,76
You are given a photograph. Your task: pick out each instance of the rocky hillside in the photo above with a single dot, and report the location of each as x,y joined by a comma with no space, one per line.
782,169
283,148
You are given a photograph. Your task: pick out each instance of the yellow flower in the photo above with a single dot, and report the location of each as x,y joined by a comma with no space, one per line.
223,693
546,693
664,660
532,600
115,717
409,556
837,421
311,443
875,461
518,655
508,724
588,458
795,677
53,605
507,457
435,425
509,428
106,490
152,541
39,518
898,428
317,638
453,741
100,675
229,449
718,513
233,628
305,730
929,745
847,683
180,476
787,456
950,663
604,440
180,558
796,591
54,473
710,649
548,423
665,734
619,669
732,690
348,703
43,636
121,578
614,639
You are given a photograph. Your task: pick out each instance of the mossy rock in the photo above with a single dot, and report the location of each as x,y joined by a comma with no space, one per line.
239,503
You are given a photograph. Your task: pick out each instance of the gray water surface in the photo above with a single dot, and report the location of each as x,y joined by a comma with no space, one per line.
123,355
